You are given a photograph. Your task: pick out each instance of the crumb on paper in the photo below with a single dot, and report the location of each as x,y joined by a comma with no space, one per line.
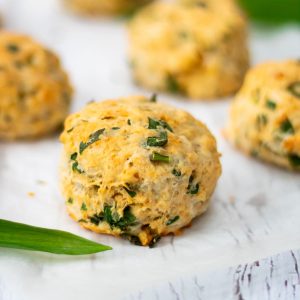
31,194
232,199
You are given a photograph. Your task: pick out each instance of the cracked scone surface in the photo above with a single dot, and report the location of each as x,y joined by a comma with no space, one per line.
265,115
136,168
197,50
35,92
104,7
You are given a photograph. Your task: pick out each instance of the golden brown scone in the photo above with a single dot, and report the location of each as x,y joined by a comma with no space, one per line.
35,93
136,168
198,50
265,115
104,7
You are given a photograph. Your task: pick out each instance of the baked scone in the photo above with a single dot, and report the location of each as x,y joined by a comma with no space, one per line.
265,115
104,7
197,50
35,93
136,168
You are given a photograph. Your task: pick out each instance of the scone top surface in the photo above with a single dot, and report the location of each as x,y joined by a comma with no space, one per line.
35,93
198,50
265,116
104,7
152,166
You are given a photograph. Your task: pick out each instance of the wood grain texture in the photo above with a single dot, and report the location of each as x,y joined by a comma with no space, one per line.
276,277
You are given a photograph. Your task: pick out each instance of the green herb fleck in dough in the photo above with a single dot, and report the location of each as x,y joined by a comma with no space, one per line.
83,207
74,156
172,220
13,48
287,127
130,192
153,124
153,98
133,239
154,241
271,104
192,188
82,221
129,122
176,173
157,157
294,88
172,85
94,137
114,220
261,121
115,128
294,160
158,141
70,201
75,167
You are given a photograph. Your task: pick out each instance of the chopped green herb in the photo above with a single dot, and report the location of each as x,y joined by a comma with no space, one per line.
97,218
70,130
159,157
153,124
83,207
261,120
74,156
192,189
159,141
82,221
130,192
271,104
129,122
154,241
114,220
294,88
70,201
173,220
153,98
287,127
115,128
254,153
172,84
13,48
176,173
133,239
294,160
94,137
75,167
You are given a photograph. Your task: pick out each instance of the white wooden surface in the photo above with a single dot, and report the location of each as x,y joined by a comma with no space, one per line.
276,277
254,213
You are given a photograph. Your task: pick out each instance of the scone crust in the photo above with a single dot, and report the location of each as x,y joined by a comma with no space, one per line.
35,92
200,51
265,115
103,7
115,174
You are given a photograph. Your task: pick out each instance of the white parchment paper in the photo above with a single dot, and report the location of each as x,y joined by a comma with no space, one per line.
255,211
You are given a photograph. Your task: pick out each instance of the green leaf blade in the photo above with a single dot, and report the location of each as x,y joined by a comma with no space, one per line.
25,237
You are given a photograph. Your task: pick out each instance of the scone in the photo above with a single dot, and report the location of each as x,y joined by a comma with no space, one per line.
35,93
104,7
197,50
265,115
136,168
